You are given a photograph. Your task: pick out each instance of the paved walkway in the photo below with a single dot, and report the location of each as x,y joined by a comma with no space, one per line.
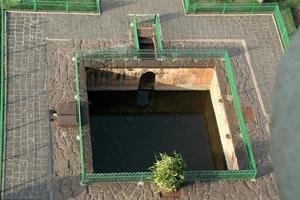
28,145
27,141
259,32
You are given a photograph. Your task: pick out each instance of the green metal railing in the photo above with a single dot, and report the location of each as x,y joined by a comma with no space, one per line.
281,27
54,5
78,101
123,53
238,109
147,20
251,8
169,53
135,34
158,33
2,41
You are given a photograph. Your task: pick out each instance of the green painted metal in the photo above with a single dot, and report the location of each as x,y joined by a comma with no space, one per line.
80,131
67,6
158,34
224,8
54,5
281,27
34,5
171,54
187,6
239,112
135,34
98,4
251,8
2,93
123,53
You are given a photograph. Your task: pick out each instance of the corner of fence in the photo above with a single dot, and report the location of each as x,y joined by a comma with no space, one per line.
75,60
187,6
98,4
238,108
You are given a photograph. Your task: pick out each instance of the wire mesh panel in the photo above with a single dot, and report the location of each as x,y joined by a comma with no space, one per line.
55,5
132,53
189,175
2,92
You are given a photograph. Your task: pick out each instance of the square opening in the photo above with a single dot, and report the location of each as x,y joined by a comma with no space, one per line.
136,114
126,136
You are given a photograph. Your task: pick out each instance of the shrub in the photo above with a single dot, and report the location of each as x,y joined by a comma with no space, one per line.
168,172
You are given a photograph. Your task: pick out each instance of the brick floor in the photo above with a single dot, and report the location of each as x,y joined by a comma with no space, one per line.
27,142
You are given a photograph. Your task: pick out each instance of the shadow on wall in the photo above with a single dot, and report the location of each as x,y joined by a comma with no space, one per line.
113,4
64,188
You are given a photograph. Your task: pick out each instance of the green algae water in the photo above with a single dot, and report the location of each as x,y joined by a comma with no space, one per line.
126,137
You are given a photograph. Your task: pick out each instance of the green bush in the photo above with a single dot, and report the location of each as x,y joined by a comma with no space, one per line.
168,172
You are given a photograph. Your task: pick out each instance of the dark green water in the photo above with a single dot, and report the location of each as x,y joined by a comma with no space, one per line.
125,137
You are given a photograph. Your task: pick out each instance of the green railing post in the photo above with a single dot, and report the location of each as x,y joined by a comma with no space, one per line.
2,88
158,35
98,6
158,38
253,8
135,34
224,8
79,116
67,6
187,6
34,5
142,177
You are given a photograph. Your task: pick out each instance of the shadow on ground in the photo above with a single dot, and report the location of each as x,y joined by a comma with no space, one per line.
63,189
113,4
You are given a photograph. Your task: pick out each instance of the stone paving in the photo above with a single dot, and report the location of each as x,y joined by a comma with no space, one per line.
27,141
259,32
28,145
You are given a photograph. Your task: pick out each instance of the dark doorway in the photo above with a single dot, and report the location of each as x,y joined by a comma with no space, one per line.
145,90
147,44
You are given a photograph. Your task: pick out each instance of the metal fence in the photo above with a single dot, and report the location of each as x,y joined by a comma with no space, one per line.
158,34
168,53
127,53
2,92
251,8
135,33
146,20
54,5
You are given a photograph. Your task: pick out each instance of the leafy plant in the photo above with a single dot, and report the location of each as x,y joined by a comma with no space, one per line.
168,172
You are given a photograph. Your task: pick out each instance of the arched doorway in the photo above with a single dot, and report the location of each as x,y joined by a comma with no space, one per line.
145,89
